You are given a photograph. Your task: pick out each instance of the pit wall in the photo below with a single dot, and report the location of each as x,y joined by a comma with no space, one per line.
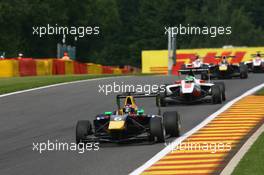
156,61
43,67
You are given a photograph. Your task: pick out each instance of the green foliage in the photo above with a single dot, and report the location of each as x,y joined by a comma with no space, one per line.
126,26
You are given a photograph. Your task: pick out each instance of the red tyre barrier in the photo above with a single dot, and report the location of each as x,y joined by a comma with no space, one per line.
58,67
83,68
107,70
125,71
27,67
80,68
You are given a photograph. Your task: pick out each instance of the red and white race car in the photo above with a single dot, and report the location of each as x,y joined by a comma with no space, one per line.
196,64
191,90
256,64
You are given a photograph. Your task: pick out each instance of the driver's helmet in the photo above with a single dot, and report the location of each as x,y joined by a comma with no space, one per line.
197,58
189,79
128,109
258,57
224,60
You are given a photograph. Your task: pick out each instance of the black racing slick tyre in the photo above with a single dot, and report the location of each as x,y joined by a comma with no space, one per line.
216,95
163,102
204,76
243,71
171,122
222,88
157,129
83,128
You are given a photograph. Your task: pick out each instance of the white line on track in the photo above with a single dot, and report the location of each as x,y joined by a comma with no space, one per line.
177,141
59,84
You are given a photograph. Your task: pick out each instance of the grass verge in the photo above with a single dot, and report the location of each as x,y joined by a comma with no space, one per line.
8,85
260,92
253,161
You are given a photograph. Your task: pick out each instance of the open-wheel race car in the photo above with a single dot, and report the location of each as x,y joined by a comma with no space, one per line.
196,64
129,123
256,65
225,70
190,90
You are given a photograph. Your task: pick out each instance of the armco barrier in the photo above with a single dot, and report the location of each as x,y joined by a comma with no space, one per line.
44,67
9,68
58,67
27,67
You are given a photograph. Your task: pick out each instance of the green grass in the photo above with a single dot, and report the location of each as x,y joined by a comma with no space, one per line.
260,92
253,161
21,83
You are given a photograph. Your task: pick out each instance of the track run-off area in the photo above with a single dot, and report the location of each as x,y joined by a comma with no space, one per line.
208,150
51,114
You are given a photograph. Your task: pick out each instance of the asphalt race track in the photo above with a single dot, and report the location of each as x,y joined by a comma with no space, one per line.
52,113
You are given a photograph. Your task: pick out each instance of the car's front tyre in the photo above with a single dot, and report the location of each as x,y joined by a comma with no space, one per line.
243,71
157,129
216,95
222,88
171,122
83,128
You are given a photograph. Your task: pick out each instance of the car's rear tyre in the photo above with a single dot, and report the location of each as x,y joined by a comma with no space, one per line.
157,129
204,76
216,95
83,128
163,102
243,71
222,88
171,122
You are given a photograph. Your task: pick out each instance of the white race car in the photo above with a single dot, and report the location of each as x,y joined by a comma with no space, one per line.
195,65
191,90
257,63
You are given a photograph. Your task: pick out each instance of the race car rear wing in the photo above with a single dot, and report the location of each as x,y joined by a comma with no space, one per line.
138,95
192,71
227,56
255,55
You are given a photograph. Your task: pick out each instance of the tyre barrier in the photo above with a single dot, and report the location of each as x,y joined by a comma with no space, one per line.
27,67
94,68
43,67
9,68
